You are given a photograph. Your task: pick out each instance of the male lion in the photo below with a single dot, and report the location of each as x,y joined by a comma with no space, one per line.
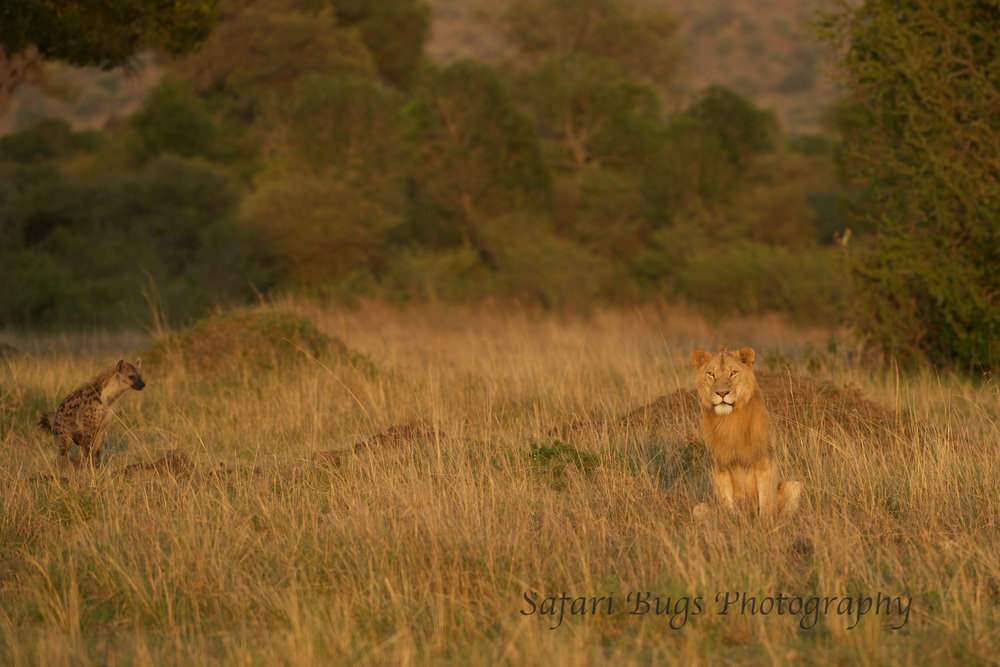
737,429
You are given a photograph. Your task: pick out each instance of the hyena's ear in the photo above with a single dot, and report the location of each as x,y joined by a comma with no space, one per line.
138,363
120,365
699,358
746,355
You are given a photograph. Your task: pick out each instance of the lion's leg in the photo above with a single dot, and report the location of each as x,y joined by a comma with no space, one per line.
767,489
722,484
789,495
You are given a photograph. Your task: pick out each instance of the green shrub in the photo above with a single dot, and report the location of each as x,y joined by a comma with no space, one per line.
44,140
920,131
752,279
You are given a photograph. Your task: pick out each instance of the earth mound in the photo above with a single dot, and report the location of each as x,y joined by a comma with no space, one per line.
249,339
795,403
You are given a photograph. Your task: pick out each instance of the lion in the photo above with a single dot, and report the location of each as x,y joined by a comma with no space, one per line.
737,427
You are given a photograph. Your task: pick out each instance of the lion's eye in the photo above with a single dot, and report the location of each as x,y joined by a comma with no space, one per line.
711,375
734,374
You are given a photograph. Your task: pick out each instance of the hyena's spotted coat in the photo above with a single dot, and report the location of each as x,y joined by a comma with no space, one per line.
83,417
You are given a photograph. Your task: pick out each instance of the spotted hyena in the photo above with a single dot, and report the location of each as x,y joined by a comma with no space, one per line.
83,417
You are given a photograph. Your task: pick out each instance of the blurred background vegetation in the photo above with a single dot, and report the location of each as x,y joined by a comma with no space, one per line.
569,154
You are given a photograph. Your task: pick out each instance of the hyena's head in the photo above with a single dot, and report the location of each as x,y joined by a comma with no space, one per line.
128,374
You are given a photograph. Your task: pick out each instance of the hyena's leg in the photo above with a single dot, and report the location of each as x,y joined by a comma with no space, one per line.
64,440
789,495
722,484
91,453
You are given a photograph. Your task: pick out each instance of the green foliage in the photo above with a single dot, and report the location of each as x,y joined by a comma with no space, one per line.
306,147
601,209
475,157
394,31
418,273
258,53
104,34
313,230
705,156
590,110
534,264
753,279
44,140
350,124
81,249
741,129
920,130
175,120
555,460
641,39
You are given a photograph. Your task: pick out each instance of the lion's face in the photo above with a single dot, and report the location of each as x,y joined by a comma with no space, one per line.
725,380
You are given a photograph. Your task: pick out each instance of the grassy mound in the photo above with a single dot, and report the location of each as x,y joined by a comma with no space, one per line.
249,340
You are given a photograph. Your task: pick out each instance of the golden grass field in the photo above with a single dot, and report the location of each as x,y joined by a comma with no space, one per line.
490,456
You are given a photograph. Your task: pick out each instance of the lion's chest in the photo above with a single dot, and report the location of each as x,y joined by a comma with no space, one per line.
739,438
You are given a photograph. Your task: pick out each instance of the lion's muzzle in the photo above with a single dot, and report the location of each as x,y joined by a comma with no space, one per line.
722,402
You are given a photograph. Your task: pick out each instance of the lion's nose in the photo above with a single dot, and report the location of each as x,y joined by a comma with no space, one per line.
722,394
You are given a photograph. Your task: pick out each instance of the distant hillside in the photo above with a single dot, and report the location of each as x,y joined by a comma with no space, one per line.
763,49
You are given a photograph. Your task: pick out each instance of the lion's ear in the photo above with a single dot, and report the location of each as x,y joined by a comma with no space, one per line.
746,355
699,358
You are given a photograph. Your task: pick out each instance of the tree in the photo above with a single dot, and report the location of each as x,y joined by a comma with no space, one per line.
923,80
102,34
175,120
641,39
590,110
706,151
475,157
393,30
260,50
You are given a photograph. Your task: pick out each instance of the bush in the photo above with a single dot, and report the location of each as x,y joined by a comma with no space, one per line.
313,230
97,251
44,140
753,279
920,129
175,120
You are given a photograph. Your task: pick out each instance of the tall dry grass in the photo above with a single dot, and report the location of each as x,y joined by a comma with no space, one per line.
526,481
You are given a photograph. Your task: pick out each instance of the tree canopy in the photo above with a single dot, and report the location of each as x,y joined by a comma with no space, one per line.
923,82
102,34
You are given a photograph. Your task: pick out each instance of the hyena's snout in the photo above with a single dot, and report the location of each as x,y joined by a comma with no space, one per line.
138,383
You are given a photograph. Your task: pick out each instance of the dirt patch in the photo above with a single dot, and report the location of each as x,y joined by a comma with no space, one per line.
175,463
403,435
332,458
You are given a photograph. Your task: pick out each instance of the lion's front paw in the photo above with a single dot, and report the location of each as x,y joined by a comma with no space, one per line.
789,495
701,511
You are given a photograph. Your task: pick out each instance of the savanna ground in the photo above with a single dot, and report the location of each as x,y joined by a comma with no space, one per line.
485,455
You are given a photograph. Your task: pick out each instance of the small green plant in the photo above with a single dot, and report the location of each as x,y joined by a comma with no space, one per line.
555,459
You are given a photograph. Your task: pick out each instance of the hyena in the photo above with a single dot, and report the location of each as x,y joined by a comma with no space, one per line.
83,416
